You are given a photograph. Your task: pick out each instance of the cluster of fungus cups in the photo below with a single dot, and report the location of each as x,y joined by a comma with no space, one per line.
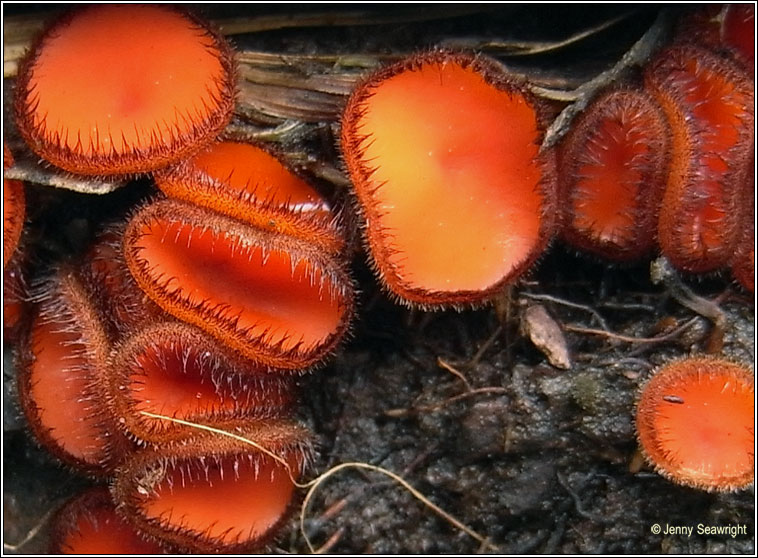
273,296
203,307
459,199
209,301
668,164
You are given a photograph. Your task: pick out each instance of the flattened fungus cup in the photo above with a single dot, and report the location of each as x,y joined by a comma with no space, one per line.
114,90
443,151
696,423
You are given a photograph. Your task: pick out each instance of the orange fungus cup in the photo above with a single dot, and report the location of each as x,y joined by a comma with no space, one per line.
612,171
89,524
174,369
275,299
708,102
443,151
695,423
215,494
249,183
122,89
66,351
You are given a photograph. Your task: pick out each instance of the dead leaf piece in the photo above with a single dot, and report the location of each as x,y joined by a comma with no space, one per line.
546,335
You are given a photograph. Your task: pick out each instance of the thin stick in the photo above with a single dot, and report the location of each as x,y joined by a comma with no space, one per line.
530,48
330,542
38,175
238,26
455,372
485,346
30,535
242,132
582,95
556,300
628,339
661,271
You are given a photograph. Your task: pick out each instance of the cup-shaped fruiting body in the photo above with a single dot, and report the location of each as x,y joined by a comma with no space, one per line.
14,210
67,347
249,183
708,102
114,90
214,493
695,423
738,31
612,170
89,524
443,151
174,369
276,299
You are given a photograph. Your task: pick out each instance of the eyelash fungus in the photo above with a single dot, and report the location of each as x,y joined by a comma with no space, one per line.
132,103
457,133
708,101
287,307
66,351
209,493
173,369
232,280
612,169
696,420
246,182
89,524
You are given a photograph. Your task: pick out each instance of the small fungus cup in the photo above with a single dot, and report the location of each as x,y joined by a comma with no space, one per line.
696,423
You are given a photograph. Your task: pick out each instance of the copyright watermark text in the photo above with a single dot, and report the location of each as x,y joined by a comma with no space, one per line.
733,530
